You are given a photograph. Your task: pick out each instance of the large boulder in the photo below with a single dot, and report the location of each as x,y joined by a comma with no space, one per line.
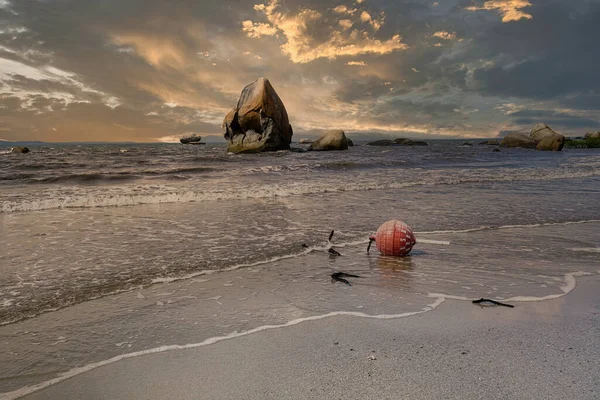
19,150
546,138
259,122
592,135
518,140
541,131
332,140
554,142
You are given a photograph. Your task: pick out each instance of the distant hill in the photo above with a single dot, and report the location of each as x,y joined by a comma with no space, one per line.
7,143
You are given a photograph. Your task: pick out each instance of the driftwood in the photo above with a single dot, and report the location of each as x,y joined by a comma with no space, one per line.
333,252
339,276
493,302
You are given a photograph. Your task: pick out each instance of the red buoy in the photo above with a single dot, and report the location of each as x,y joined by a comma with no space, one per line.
394,238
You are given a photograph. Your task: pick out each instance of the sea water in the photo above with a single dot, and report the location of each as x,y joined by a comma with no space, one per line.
116,250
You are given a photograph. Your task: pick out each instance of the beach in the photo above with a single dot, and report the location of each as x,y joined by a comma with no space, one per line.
207,275
537,350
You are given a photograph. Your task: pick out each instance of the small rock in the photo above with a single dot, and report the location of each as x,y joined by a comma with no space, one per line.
19,150
372,358
332,140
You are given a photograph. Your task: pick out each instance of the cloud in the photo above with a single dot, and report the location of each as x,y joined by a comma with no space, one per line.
511,10
303,47
444,35
148,69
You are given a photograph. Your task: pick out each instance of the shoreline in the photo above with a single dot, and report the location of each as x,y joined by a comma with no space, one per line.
311,249
584,289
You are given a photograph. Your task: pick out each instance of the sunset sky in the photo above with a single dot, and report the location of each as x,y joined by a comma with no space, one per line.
153,70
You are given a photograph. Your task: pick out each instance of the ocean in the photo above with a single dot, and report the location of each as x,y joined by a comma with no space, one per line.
114,250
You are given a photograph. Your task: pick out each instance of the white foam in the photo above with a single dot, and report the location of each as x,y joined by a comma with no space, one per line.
587,249
486,228
80,370
128,195
570,283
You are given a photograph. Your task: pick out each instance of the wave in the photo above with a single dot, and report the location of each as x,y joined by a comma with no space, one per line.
123,195
94,177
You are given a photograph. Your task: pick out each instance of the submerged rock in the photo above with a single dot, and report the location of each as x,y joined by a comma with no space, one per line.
332,140
383,142
350,142
490,143
516,139
259,122
19,150
398,142
467,144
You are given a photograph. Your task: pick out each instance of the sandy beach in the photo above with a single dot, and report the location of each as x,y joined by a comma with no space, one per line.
538,350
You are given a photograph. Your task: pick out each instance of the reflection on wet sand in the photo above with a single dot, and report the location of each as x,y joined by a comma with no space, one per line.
392,271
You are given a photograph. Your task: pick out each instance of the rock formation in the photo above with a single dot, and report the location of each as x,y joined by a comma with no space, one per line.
490,143
551,143
332,140
259,122
546,138
592,135
518,140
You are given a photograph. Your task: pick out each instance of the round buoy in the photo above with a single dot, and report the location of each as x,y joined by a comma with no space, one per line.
394,238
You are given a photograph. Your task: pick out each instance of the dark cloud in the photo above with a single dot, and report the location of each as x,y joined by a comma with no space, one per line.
553,119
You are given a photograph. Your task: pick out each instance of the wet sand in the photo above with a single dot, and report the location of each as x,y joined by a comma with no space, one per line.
538,350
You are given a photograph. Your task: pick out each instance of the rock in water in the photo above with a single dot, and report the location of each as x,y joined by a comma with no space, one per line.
332,140
398,142
190,139
541,131
490,143
19,150
259,122
546,138
555,142
518,140
350,142
383,142
592,135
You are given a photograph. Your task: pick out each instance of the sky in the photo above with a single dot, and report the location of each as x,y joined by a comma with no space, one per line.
154,70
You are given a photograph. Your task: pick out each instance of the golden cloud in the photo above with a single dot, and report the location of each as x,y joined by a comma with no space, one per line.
157,51
510,9
302,47
445,35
